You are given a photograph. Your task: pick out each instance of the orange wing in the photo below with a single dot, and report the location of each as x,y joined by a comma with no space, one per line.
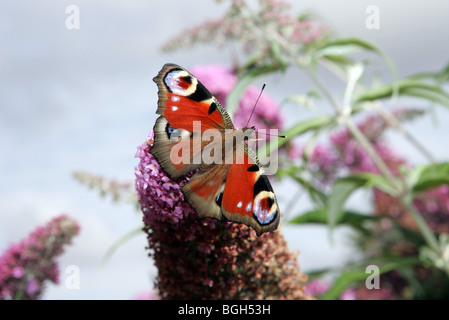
236,192
183,99
249,198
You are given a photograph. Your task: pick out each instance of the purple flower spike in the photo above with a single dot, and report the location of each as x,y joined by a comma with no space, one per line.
27,265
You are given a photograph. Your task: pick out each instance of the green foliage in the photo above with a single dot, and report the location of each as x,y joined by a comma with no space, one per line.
357,274
407,87
425,177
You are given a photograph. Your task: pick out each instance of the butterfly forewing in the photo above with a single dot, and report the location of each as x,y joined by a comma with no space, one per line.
183,99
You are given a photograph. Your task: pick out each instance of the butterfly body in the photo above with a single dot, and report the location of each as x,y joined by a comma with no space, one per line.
194,132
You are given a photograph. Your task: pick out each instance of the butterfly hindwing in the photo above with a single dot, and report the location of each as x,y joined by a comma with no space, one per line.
204,191
236,192
249,198
170,149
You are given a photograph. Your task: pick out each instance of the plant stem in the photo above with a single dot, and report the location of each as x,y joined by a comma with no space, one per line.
425,230
390,118
357,134
367,146
395,123
405,197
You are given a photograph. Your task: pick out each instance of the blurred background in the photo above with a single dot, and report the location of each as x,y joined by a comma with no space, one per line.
83,100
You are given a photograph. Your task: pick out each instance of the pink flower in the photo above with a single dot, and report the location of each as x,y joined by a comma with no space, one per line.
33,287
220,80
434,205
276,27
266,115
322,161
316,287
18,272
354,157
161,199
146,296
27,265
349,294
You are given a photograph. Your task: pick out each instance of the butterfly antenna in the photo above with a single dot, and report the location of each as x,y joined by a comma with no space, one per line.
261,90
273,135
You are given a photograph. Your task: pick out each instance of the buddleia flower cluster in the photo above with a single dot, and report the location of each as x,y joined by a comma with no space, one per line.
267,28
28,265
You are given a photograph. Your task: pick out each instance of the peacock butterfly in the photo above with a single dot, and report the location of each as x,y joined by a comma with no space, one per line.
194,132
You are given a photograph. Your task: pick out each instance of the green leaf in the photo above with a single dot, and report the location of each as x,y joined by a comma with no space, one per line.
341,191
342,47
358,274
344,187
295,130
373,180
354,72
439,258
315,216
339,60
304,100
345,46
440,76
429,176
407,87
349,218
304,126
113,248
315,194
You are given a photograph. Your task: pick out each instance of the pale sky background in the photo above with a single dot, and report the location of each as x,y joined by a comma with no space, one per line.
84,99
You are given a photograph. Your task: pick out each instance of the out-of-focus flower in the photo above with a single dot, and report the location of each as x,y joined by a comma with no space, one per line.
146,296
27,265
259,29
344,153
349,294
207,258
322,161
434,205
316,287
119,191
354,157
362,293
220,80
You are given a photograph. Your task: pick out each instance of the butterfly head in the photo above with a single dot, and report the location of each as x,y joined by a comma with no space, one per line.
247,132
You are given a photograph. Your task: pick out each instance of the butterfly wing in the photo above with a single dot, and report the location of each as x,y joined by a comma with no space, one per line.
183,102
235,192
174,149
205,189
183,99
248,196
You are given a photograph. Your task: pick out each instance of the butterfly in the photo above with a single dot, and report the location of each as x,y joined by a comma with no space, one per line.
190,116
